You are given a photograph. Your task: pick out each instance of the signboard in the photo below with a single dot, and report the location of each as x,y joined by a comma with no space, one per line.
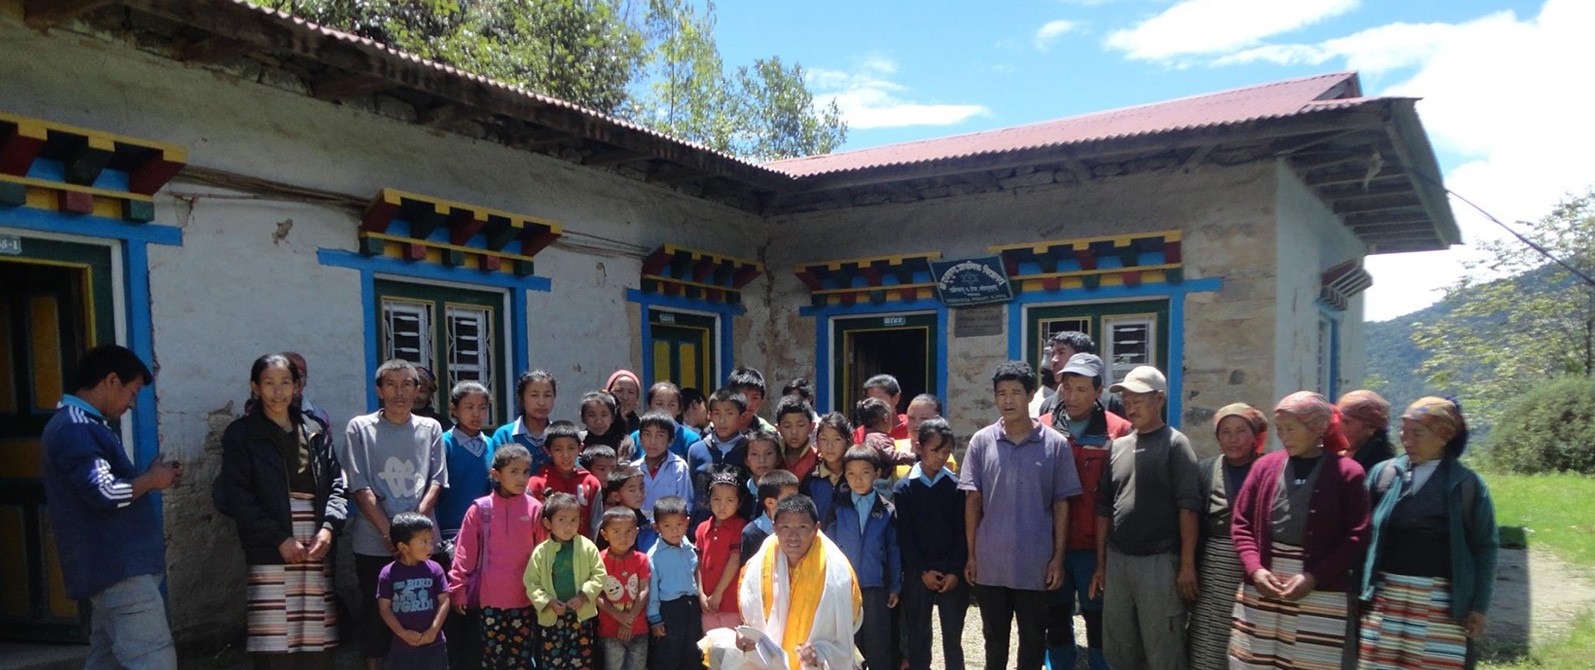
971,281
10,245
978,322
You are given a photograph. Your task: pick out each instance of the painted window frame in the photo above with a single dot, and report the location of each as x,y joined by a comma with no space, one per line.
724,313
1327,346
712,358
825,350
436,299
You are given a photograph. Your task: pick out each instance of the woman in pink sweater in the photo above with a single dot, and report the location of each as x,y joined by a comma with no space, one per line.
490,556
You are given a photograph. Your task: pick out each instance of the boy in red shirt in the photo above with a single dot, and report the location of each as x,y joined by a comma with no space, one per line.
719,542
562,475
623,606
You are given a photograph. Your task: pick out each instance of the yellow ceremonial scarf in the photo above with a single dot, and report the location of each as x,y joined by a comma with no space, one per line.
807,581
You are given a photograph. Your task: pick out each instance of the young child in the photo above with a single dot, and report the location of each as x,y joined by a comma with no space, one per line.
469,461
774,486
490,556
794,418
600,460
673,608
864,526
413,597
663,472
874,419
930,535
563,475
831,441
625,489
536,391
750,383
719,540
563,580
666,397
764,455
724,446
922,408
600,424
694,411
622,621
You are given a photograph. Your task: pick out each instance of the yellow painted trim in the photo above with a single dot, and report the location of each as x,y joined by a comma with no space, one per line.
8,384
48,367
21,458
1080,242
867,289
898,259
671,250
690,283
440,246
62,186
87,288
392,196
172,153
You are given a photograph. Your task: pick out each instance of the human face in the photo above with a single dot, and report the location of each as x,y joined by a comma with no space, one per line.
796,534
1079,395
397,389
564,524
860,476
537,400
620,534
831,446
563,451
600,468
1061,353
275,388
597,417
513,476
1355,430
416,549
471,413
665,401
696,416
723,501
625,391
728,420
1144,410
655,442
672,528
425,391
763,456
933,456
918,413
755,400
878,392
1236,440
1420,442
1298,438
1012,400
769,504
631,493
795,428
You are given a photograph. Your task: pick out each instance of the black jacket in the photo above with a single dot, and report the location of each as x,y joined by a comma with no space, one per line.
253,486
1375,451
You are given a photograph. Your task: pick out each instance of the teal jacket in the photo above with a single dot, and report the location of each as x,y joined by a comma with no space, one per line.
1473,537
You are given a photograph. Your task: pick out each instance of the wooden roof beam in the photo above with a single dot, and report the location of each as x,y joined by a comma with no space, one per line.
1357,192
45,13
345,85
213,50
1401,202
1355,176
607,157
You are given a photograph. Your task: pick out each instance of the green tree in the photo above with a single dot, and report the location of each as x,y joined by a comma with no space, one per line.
1505,337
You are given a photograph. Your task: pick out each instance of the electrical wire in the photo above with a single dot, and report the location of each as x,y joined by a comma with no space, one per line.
1541,250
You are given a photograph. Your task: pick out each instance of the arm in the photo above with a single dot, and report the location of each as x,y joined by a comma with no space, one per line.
465,556
727,578
438,475
972,515
907,540
429,500
1243,524
894,560
594,584
337,510
537,587
653,604
91,477
1189,531
366,500
385,609
1353,535
1060,536
1485,543
255,526
431,634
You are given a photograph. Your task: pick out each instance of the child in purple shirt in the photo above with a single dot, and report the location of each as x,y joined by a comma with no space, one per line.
413,597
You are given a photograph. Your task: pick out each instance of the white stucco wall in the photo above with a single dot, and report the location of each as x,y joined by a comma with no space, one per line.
1311,239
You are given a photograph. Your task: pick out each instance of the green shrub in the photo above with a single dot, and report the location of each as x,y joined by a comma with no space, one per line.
1549,429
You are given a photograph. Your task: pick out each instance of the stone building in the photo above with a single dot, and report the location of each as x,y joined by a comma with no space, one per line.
204,182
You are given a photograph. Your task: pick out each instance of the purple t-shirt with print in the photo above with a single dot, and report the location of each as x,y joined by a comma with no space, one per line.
414,590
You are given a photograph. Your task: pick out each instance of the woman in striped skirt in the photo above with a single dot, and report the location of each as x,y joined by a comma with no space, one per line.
1300,523
284,489
1242,431
1431,565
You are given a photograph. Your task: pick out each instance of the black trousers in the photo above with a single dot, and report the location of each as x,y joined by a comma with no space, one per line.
875,638
678,649
999,608
375,638
951,607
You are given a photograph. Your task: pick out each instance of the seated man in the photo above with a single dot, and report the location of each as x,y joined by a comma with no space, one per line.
798,595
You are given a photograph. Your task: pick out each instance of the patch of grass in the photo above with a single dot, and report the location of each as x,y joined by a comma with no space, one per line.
1573,651
1555,512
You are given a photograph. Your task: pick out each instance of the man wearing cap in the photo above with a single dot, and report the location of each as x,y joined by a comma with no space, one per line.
1364,420
1091,428
1146,521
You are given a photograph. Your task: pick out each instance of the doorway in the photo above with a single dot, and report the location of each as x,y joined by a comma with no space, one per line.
55,304
684,349
901,345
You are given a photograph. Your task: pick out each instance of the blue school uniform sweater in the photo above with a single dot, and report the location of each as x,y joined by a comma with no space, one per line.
468,477
930,524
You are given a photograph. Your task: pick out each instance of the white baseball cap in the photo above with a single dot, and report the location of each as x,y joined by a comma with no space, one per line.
1143,379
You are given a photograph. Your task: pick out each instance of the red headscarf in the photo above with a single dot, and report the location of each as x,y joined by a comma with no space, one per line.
1319,414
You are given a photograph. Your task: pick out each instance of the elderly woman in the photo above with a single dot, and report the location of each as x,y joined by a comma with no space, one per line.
1431,565
1242,431
1301,520
1364,418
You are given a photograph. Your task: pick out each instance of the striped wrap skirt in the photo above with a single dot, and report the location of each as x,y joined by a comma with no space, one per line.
1307,634
1410,626
291,608
1209,632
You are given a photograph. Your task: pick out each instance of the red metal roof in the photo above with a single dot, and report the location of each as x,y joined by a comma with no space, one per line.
1267,101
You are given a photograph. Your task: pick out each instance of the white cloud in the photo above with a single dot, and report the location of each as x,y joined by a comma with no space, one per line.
1050,31
1500,98
1201,27
868,99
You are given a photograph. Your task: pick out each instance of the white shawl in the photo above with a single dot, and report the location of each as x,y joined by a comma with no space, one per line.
834,621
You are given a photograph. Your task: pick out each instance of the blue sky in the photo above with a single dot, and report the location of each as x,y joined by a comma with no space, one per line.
1503,102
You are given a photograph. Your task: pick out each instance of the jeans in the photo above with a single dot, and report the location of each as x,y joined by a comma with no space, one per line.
1078,566
631,655
128,627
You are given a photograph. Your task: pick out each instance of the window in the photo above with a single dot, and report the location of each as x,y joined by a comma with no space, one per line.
463,345
1328,356
1127,334
1128,342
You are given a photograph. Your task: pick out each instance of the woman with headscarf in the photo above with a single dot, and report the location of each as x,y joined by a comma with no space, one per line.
1431,563
1242,431
1365,419
1300,523
626,388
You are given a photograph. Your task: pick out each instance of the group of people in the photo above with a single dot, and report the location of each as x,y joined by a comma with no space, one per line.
667,529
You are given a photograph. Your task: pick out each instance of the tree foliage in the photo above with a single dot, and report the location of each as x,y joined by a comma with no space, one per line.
655,62
1549,429
1503,338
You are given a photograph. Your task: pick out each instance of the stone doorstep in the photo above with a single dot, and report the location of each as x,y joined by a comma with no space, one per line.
29,656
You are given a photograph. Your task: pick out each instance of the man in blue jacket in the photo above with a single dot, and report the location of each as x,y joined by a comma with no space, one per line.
112,547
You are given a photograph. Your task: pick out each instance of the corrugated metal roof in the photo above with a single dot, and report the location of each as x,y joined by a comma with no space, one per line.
1268,101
